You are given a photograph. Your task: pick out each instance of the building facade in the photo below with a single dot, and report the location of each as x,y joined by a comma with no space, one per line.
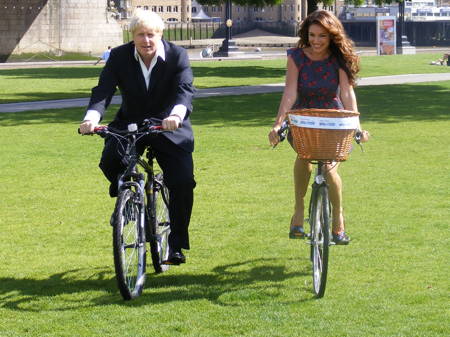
184,10
57,26
169,10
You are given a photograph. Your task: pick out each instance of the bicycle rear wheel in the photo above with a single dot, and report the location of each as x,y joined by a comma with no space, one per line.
320,239
160,225
129,244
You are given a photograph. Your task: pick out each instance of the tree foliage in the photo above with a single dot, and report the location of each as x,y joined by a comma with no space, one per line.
256,3
312,4
379,3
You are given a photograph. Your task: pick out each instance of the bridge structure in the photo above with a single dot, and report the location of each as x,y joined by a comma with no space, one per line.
56,26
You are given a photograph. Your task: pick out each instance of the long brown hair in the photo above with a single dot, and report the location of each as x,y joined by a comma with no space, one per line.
340,45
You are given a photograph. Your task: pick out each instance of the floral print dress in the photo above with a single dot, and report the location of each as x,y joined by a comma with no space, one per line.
318,81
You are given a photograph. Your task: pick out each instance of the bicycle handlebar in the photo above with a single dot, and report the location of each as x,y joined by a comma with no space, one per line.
103,130
282,132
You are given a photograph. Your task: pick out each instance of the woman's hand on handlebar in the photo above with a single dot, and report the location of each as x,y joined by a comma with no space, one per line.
87,127
365,135
274,137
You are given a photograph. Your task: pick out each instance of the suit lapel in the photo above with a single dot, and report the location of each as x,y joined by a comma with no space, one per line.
157,74
138,71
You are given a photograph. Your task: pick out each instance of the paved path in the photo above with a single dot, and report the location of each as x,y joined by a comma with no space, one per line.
225,91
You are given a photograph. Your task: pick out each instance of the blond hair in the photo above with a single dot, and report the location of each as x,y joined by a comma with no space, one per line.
147,19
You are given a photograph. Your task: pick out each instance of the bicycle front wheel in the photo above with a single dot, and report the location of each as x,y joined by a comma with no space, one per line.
160,225
129,244
320,239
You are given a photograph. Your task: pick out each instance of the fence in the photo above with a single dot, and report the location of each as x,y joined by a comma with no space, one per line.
419,33
216,30
363,33
435,33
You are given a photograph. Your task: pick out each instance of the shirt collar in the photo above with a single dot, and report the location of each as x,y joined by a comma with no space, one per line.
160,52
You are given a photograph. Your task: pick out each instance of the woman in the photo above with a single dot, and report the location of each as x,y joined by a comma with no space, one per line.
321,73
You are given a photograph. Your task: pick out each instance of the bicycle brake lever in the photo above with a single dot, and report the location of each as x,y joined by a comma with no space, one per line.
358,136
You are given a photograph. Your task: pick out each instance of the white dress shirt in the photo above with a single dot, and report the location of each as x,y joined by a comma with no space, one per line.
178,110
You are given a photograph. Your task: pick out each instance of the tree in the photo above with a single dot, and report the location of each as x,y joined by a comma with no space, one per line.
256,3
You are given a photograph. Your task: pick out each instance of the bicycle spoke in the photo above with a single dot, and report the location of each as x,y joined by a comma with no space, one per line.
129,251
320,239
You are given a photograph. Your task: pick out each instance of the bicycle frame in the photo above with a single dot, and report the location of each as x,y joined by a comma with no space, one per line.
133,178
319,180
135,219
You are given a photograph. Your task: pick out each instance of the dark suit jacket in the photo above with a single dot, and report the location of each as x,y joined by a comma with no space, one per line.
170,84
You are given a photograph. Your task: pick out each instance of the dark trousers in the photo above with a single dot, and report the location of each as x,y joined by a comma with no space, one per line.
178,169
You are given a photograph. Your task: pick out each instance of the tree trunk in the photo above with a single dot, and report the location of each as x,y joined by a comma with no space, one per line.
312,6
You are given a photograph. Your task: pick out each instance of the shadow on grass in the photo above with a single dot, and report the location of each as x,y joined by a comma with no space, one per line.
62,73
238,72
43,96
383,104
406,102
93,72
251,282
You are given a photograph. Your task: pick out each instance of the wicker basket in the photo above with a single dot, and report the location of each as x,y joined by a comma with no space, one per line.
323,134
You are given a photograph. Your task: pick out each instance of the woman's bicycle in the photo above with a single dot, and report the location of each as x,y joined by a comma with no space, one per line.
321,136
141,212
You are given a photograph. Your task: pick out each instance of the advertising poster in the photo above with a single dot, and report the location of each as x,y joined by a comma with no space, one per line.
386,35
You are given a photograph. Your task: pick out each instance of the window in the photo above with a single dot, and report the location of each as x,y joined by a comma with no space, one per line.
175,9
153,8
169,9
194,9
160,9
146,8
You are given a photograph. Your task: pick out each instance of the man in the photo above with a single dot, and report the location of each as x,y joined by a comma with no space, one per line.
105,56
155,81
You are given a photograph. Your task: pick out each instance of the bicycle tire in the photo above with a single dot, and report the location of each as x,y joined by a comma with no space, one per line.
160,225
129,244
320,239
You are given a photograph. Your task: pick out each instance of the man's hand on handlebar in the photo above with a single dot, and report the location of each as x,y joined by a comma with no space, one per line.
87,127
171,123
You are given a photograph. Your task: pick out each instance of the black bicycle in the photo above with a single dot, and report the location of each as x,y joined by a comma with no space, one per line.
319,237
141,212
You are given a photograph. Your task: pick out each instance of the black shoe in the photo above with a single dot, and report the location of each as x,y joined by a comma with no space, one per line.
341,239
175,258
113,191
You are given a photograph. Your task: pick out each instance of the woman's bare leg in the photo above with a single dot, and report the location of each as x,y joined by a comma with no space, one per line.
335,188
302,173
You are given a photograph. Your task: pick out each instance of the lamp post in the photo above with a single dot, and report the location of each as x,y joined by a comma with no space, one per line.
404,47
228,45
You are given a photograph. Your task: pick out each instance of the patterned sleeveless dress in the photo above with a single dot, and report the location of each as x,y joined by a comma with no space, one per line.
318,81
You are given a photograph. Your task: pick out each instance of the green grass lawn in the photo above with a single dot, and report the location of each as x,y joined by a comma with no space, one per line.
17,85
244,277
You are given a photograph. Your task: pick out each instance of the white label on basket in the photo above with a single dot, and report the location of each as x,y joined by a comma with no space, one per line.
324,122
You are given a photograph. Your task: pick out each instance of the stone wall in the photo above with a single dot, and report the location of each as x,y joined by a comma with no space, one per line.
33,26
